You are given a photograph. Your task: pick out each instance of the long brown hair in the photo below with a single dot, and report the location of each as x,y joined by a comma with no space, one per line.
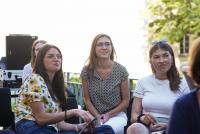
33,56
57,86
194,61
173,74
92,59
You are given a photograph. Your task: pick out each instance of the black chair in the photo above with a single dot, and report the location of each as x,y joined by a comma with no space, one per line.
189,81
128,113
71,104
6,114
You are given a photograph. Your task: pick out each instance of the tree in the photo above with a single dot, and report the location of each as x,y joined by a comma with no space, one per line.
173,19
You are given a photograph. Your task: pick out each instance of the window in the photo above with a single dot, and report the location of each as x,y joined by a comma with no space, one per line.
184,46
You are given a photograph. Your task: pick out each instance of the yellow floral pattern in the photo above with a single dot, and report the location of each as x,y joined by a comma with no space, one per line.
34,89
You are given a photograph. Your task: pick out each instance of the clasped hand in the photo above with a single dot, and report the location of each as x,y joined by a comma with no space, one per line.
87,117
150,121
104,118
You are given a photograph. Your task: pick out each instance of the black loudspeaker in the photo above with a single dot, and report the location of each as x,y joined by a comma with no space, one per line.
18,50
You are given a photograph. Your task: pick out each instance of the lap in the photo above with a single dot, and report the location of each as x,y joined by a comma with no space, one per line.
31,127
118,122
7,132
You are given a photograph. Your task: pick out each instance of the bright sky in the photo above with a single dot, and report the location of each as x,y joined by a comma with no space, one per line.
72,25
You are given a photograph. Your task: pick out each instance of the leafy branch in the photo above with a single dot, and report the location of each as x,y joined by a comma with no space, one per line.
173,19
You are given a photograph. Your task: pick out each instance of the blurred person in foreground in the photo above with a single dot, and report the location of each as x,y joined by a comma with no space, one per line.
185,118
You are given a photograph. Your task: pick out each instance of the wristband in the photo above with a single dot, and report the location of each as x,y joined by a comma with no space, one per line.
139,120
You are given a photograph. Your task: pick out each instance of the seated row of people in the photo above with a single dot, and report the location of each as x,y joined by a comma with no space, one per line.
105,90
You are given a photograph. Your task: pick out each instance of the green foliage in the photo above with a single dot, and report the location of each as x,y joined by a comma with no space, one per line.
173,19
133,84
13,104
75,79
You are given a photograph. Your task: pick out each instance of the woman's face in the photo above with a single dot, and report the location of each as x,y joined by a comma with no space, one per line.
103,48
161,61
38,47
52,60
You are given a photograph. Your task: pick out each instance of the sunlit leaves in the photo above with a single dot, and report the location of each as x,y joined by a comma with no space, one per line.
172,19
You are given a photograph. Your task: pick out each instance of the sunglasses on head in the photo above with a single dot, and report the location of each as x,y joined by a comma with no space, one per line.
160,42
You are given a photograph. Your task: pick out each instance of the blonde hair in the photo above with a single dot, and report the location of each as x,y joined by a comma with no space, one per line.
33,56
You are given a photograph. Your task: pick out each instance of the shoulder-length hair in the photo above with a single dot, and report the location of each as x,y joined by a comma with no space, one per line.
173,74
57,87
194,61
92,59
33,56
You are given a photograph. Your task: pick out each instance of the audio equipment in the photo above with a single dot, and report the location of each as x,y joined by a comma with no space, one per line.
18,50
11,78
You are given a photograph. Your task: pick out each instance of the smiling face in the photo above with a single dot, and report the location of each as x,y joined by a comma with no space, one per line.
103,47
161,61
52,60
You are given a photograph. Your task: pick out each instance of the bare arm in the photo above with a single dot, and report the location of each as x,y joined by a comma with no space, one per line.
125,99
67,126
136,109
89,105
43,117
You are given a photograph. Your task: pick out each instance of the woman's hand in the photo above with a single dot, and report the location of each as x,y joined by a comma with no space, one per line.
158,127
104,118
88,129
85,115
78,127
148,119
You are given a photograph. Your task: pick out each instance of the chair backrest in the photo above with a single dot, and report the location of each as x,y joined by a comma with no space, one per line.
6,114
189,81
71,104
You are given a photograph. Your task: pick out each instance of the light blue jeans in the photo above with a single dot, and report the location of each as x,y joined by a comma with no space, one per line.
25,126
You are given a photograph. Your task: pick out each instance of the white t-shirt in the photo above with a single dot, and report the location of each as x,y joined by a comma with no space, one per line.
27,71
157,97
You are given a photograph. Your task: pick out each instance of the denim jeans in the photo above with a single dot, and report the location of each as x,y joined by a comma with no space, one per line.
7,132
25,126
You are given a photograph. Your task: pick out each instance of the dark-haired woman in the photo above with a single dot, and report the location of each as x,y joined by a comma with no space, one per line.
155,94
42,95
